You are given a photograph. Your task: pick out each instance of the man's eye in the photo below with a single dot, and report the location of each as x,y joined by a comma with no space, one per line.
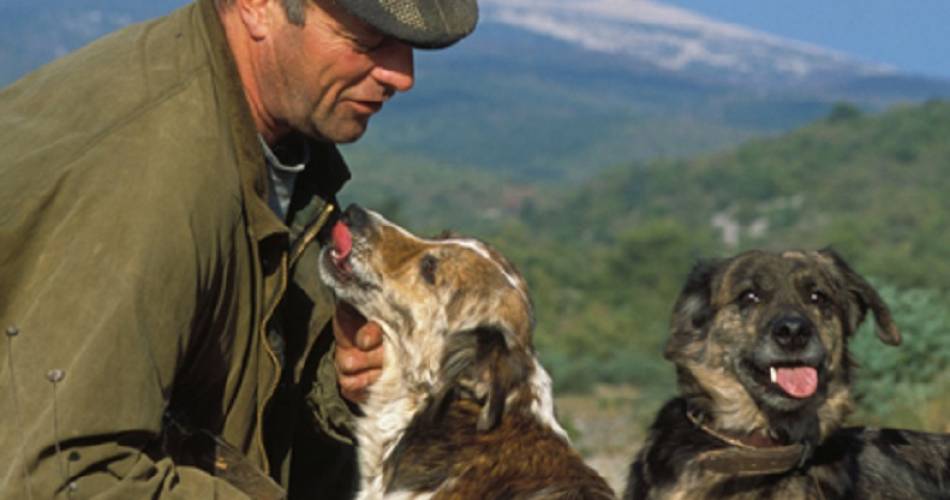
369,43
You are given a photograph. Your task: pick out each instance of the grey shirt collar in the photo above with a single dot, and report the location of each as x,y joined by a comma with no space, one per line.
283,173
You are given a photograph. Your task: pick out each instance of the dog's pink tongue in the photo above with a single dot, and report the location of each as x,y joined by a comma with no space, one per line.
799,382
342,240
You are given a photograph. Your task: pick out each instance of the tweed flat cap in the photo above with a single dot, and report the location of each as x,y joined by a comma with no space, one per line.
425,24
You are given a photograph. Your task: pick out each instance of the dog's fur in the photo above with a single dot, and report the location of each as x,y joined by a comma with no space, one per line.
727,332
462,408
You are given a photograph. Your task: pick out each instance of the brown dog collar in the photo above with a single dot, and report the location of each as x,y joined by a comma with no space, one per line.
748,455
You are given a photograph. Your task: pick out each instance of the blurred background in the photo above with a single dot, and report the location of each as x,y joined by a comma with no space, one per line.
606,145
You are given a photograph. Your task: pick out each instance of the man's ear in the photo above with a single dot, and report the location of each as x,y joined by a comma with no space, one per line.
863,296
258,16
693,309
480,365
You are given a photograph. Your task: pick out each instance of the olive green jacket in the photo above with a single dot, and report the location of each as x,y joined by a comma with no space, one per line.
149,295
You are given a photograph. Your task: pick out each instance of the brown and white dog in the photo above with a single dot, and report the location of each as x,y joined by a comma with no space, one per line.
462,409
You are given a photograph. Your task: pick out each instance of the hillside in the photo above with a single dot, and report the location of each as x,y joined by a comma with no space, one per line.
606,258
873,186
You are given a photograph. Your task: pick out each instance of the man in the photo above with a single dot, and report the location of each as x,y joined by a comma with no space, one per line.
163,195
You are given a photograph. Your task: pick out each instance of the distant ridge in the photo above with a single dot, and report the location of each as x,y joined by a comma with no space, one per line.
676,39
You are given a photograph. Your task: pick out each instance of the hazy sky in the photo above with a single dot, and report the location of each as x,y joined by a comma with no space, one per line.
913,35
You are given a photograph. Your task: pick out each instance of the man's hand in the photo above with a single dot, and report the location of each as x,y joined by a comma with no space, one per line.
359,352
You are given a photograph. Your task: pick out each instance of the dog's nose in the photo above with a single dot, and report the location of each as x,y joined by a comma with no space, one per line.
355,217
792,332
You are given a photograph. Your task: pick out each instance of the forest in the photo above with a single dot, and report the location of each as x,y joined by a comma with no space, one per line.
606,255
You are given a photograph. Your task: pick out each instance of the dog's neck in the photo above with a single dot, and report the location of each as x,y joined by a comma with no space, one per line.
728,408
752,453
389,408
393,403
542,405
757,438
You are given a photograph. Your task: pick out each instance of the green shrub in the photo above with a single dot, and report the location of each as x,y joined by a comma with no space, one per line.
895,386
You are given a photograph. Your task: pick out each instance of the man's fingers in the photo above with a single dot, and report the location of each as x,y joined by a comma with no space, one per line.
346,323
359,382
369,336
354,387
359,352
351,329
353,361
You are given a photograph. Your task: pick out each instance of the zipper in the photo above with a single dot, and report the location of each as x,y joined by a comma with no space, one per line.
268,312
309,234
285,263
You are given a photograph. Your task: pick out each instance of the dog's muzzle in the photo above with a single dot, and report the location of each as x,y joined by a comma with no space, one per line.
788,360
353,221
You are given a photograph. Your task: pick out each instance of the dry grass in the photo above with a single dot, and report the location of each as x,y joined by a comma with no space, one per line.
606,427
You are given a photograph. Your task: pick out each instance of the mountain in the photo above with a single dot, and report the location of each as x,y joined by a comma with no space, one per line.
557,89
674,39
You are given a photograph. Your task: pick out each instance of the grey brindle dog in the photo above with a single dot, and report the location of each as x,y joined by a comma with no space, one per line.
760,344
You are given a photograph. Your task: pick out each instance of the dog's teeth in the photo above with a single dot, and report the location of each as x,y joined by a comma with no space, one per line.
334,253
773,374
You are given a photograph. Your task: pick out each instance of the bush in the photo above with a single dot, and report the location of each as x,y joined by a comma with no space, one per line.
896,387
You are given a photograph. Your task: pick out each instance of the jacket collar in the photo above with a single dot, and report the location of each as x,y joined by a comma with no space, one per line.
326,171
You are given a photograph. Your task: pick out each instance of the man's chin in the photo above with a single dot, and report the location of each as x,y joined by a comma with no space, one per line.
345,132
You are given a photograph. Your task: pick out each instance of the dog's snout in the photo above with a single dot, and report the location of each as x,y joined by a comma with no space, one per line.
792,332
355,217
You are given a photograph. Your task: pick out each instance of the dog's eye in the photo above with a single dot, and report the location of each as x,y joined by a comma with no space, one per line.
819,298
749,298
427,267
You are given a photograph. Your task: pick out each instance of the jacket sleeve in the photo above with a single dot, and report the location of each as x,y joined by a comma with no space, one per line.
98,298
332,413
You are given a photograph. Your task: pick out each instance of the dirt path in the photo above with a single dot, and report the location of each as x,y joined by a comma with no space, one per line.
605,428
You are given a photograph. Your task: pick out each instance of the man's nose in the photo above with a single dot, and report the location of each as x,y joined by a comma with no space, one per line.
394,66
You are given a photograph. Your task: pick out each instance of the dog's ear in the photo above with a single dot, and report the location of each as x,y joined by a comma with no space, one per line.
693,308
479,364
863,296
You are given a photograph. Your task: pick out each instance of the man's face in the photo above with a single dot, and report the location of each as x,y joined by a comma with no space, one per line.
326,78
